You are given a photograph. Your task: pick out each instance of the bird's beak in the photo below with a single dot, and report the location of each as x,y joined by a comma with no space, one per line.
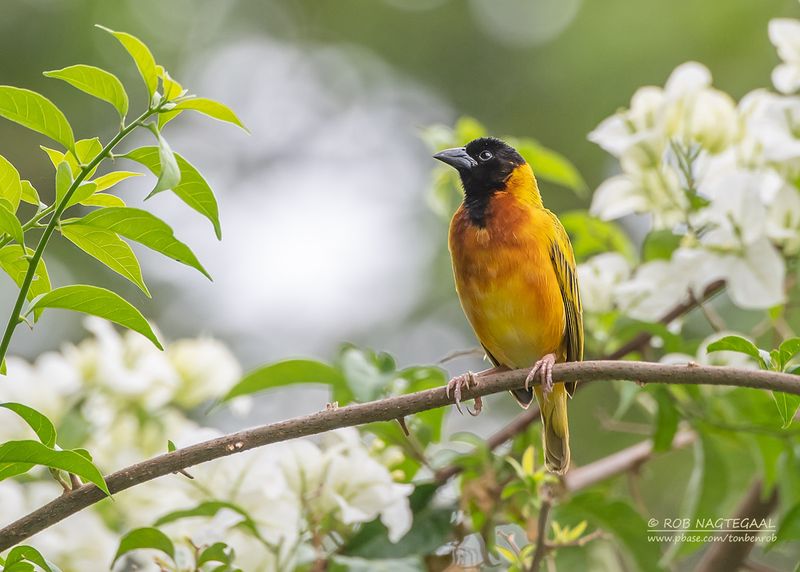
457,158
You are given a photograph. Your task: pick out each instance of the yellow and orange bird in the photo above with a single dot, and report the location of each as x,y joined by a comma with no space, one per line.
515,276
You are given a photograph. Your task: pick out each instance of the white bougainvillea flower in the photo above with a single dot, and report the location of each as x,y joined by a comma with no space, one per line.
783,220
343,480
653,191
205,367
784,33
598,277
771,129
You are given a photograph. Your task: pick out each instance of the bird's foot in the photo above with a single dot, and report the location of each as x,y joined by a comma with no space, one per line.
467,381
544,369
464,381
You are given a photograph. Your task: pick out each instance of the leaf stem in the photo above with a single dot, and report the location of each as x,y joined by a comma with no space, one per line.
58,210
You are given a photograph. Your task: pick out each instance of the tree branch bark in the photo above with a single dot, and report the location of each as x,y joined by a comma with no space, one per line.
383,410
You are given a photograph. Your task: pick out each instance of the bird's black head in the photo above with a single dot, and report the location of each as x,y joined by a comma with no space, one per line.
484,166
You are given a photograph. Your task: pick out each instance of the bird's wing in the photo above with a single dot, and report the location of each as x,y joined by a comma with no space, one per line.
564,265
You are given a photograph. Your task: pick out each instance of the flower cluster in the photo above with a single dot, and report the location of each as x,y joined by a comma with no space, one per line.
122,400
718,181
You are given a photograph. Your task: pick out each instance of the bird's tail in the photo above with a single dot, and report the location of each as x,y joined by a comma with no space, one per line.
555,428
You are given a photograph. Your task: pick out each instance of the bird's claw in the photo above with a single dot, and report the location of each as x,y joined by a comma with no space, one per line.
544,369
465,380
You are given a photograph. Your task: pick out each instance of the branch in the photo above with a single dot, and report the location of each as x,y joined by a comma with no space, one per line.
523,420
383,410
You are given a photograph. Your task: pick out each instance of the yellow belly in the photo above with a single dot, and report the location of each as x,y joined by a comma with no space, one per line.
508,289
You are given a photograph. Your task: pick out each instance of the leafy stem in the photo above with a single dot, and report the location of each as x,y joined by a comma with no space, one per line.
57,210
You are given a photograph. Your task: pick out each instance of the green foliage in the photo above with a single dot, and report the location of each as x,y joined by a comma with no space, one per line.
96,82
40,424
18,457
590,236
36,112
285,373
97,302
146,537
23,557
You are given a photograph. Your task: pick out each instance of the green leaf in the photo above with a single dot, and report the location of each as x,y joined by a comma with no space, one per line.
209,509
108,180
170,446
81,194
550,166
108,248
29,194
29,554
211,108
788,349
789,528
145,228
103,200
707,488
787,406
144,60
35,453
621,520
14,262
667,419
285,373
169,175
10,225
737,344
660,244
63,180
35,112
98,302
144,538
10,185
192,190
590,236
40,424
217,552
432,528
96,82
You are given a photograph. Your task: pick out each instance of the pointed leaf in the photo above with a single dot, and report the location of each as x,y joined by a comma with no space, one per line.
98,302
282,373
789,349
63,180
15,264
35,112
96,82
169,175
40,424
193,189
211,108
144,538
789,528
667,419
144,228
108,180
35,453
10,225
103,200
24,553
142,57
29,194
109,249
82,193
737,344
10,185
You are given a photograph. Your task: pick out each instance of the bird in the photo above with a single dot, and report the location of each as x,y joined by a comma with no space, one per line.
515,277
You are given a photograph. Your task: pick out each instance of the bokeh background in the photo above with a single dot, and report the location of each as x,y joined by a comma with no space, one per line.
327,232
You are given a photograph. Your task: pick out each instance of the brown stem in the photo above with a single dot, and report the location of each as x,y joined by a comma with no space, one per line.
383,410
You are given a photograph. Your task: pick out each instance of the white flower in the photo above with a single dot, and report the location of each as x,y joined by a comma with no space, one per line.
772,124
784,33
598,277
206,369
652,191
783,220
343,480
126,366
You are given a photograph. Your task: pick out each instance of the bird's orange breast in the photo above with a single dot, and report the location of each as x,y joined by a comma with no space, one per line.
506,281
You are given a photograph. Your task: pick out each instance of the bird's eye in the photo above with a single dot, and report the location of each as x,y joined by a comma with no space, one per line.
485,155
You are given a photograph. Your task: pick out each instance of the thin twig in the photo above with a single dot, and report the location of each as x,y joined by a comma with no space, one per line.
541,531
382,410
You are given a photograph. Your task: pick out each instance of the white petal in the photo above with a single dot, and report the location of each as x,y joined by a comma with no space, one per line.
755,280
786,77
616,197
687,78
